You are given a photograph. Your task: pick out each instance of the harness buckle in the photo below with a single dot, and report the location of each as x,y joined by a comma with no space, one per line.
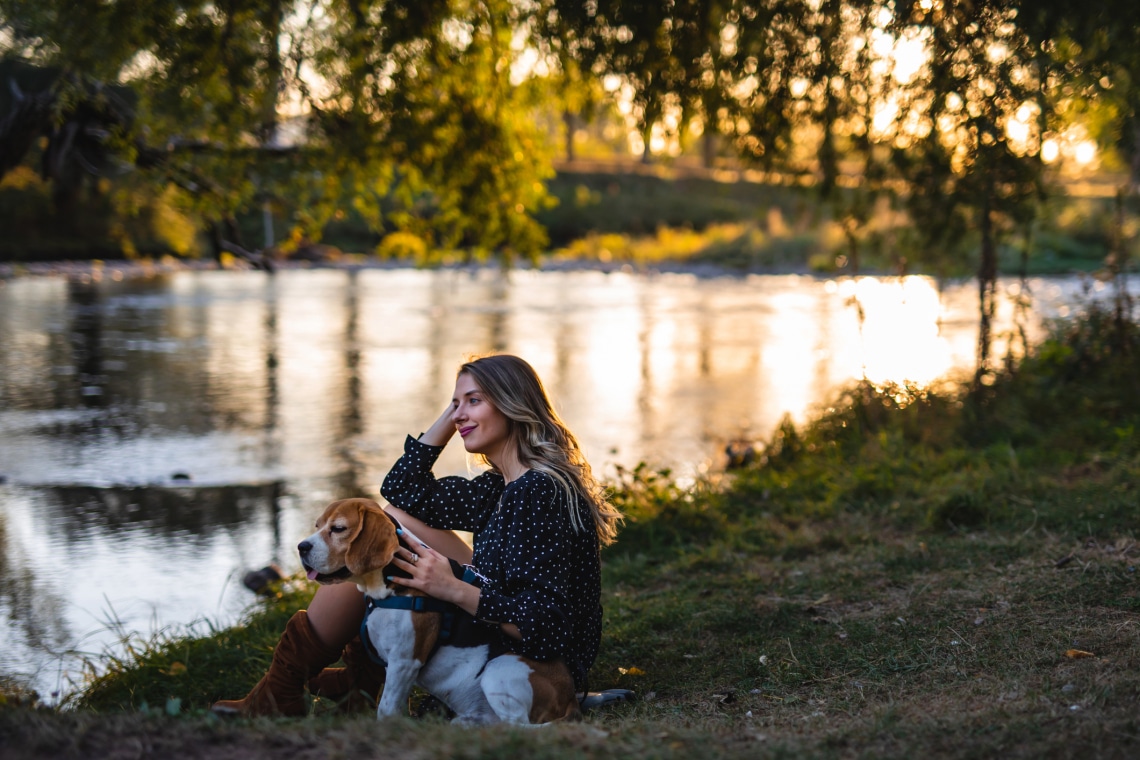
470,574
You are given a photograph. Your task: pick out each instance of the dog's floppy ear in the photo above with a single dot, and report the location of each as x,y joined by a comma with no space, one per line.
374,543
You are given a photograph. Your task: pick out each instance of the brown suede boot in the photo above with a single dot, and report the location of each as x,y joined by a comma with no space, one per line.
298,656
355,687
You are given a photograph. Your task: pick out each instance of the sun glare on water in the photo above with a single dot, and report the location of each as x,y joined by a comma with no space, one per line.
899,339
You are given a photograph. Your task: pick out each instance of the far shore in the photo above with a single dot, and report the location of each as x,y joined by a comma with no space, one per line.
97,270
121,269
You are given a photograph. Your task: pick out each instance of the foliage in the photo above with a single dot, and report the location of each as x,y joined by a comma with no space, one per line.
403,245
156,224
1077,381
965,169
1097,82
667,245
639,204
659,514
406,110
746,226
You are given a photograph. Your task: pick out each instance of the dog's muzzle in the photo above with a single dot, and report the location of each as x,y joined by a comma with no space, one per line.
305,549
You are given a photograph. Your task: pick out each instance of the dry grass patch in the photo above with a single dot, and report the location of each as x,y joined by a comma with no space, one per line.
859,651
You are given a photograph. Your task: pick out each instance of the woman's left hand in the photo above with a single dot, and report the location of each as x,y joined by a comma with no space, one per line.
431,574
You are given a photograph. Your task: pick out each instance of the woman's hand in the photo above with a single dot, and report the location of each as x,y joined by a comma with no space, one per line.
442,429
431,574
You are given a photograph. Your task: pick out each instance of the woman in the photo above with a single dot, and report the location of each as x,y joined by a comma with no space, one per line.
538,516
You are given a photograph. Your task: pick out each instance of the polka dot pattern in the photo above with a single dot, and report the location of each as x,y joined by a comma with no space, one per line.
543,576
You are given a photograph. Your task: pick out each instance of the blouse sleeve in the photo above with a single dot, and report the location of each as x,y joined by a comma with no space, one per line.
450,503
533,591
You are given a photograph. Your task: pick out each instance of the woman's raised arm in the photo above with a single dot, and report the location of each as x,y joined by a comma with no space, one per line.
442,429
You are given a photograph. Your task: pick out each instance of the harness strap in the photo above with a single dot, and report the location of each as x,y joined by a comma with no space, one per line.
369,647
413,603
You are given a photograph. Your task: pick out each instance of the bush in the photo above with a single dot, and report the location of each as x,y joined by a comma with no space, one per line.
660,514
402,245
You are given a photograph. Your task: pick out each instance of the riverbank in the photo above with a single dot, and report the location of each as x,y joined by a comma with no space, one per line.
594,254
656,221
912,573
124,269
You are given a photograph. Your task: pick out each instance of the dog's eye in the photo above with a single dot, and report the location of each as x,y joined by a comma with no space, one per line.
337,529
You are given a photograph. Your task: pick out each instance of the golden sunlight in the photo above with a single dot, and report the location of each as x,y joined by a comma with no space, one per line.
1073,145
1022,129
900,331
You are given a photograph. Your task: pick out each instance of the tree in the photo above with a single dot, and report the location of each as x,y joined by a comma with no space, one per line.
723,63
1097,78
405,108
953,148
1097,64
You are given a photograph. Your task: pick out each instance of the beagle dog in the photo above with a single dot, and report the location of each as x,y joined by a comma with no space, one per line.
355,542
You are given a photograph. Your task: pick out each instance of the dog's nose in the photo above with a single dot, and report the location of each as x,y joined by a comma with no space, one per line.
304,547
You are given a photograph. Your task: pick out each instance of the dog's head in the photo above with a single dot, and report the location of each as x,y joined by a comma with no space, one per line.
354,538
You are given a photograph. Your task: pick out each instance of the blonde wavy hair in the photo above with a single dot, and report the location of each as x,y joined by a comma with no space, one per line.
544,442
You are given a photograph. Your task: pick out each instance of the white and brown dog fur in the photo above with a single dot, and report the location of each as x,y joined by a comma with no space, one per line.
355,541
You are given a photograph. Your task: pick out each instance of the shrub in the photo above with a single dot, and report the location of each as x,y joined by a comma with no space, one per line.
660,514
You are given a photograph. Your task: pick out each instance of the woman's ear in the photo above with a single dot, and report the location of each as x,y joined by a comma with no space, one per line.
375,542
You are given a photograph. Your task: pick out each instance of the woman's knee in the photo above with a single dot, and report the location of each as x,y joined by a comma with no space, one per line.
335,613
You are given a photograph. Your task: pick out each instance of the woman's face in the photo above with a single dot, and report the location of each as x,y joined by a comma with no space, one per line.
484,428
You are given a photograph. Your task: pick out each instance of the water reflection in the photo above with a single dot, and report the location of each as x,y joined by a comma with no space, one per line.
275,394
32,611
80,514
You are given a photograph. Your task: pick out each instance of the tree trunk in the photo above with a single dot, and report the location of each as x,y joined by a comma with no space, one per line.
1135,163
828,155
853,251
708,145
1118,262
647,136
571,122
987,289
273,70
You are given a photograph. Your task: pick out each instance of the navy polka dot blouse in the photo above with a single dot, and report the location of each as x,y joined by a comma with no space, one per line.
543,575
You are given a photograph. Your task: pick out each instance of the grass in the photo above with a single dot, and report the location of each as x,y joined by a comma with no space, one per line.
913,573
734,246
173,670
637,205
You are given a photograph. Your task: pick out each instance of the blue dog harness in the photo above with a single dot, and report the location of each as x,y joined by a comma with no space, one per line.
414,603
